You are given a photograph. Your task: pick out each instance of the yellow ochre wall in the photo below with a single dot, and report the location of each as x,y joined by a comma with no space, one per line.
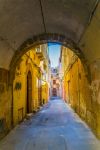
90,45
45,93
78,91
29,62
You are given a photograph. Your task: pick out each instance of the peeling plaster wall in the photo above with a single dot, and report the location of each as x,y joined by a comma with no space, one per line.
95,91
5,102
90,44
82,95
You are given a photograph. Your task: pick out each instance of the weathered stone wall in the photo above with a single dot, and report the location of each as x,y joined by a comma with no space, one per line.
90,45
29,62
83,95
5,102
95,93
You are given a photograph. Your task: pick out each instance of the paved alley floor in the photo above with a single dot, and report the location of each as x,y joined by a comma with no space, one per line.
54,127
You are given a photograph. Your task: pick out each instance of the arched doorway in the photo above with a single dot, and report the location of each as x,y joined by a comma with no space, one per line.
54,92
29,93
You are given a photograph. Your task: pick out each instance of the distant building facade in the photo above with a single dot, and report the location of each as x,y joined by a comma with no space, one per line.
55,83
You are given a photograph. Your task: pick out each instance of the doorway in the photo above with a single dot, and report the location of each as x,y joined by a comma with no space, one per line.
29,93
39,92
54,92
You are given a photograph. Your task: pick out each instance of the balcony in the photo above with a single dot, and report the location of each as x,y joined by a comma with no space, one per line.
39,53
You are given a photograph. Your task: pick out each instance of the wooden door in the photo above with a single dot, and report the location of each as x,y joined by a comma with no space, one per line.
29,92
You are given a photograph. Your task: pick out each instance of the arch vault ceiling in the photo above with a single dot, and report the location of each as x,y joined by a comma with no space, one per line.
22,19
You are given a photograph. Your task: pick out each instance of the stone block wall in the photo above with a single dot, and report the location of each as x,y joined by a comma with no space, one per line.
5,102
83,95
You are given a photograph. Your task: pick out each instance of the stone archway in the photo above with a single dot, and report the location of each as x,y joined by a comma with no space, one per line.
42,39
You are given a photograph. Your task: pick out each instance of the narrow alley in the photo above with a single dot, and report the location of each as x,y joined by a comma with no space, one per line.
54,127
49,74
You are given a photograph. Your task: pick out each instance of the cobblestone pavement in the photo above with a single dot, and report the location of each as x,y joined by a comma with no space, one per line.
54,127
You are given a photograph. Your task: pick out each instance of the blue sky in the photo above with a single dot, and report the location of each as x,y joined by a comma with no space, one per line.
54,53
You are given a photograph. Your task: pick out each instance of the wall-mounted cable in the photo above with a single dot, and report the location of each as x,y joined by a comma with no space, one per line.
43,19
